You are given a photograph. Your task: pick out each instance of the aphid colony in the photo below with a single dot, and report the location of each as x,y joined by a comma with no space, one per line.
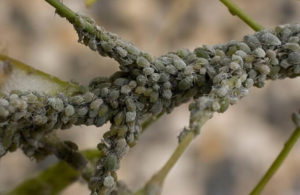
146,86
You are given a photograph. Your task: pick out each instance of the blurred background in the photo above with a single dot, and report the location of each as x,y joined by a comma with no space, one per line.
233,150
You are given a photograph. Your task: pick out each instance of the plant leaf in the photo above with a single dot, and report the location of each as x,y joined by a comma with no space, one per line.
15,75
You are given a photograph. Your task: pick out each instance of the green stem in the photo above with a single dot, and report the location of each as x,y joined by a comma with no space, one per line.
158,179
70,15
235,10
277,163
54,179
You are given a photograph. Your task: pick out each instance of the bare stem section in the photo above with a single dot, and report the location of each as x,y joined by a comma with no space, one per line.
280,158
235,10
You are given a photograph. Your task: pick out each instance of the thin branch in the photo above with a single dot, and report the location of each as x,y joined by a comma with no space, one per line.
277,163
235,10
156,182
54,179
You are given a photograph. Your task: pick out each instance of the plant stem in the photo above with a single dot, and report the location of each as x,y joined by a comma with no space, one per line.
54,179
235,10
158,179
277,163
70,15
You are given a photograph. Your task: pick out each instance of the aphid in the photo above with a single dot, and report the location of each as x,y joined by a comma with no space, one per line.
215,106
132,84
107,45
220,77
238,59
148,71
252,41
164,77
148,92
111,162
122,147
271,53
202,71
220,53
69,110
141,80
238,83
114,104
263,69
40,119
292,46
93,44
77,100
96,104
297,69
285,34
241,53
183,52
56,103
185,83
261,80
249,83
31,98
157,107
4,102
130,105
201,52
82,111
153,97
130,116
140,90
155,77
171,69
104,92
119,118
102,110
244,92
267,38
125,89
202,103
215,60
167,94
244,47
179,64
167,85
189,70
155,87
243,77
222,91
259,52
140,106
294,58
294,39
122,52
88,97
159,65
285,64
130,139
3,112
132,49
252,74
142,62
109,181
120,82
234,66
114,94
